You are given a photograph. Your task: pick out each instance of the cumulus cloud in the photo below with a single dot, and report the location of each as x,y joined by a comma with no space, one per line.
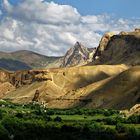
43,12
50,28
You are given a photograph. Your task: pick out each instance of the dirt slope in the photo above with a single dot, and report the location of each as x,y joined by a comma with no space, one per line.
120,92
57,83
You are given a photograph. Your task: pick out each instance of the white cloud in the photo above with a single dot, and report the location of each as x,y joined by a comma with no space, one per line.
43,12
51,29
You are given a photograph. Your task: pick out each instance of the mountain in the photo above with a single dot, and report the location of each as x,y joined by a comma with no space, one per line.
100,86
77,55
110,81
53,83
25,60
13,65
123,48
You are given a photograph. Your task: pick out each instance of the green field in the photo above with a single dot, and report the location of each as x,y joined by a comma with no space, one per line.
26,122
79,117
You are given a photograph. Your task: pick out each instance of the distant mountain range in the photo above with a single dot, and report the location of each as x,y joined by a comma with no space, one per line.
122,48
25,60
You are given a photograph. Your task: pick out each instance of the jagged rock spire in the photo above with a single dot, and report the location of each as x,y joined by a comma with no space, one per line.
76,55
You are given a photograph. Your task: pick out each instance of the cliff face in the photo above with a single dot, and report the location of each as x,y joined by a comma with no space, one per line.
5,85
102,45
21,78
11,81
4,76
117,49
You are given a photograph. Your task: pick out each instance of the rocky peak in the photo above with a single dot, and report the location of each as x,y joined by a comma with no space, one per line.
76,55
77,45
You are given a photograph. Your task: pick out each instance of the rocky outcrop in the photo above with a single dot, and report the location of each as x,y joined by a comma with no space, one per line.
10,81
36,96
117,49
4,76
20,78
5,85
102,45
135,110
78,55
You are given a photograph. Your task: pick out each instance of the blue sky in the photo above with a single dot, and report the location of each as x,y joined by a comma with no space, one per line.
52,27
118,8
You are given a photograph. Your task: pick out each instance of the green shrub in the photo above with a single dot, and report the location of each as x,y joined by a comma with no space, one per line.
107,113
19,115
50,112
131,131
120,128
57,119
110,112
111,131
3,133
47,118
1,114
11,124
134,119
110,121
95,127
38,112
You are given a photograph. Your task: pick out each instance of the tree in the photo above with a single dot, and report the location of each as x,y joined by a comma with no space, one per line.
57,119
120,128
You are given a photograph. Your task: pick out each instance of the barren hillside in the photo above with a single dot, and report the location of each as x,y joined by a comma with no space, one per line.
62,85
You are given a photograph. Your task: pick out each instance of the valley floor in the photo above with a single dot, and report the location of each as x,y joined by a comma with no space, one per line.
32,121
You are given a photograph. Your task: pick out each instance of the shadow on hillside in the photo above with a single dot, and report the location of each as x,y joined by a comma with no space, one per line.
127,54
84,81
13,65
110,94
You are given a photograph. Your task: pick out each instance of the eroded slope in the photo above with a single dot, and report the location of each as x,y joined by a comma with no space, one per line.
120,92
56,83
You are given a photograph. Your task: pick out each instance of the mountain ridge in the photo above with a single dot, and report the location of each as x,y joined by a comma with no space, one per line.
77,55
